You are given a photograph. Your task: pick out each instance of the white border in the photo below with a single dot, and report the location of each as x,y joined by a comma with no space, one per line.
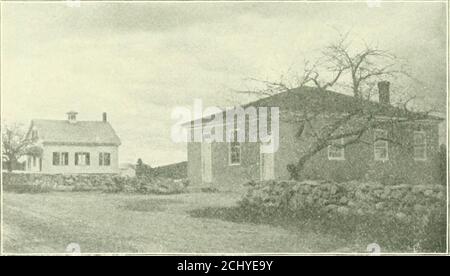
6,2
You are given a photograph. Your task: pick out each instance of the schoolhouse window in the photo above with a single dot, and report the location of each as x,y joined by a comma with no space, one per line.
104,159
235,153
420,145
336,150
234,156
60,158
380,144
82,159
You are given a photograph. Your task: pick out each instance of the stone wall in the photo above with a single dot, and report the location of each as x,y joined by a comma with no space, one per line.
348,197
29,182
399,218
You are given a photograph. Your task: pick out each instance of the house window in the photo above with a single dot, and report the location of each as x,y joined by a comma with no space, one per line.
104,159
60,158
34,161
82,159
336,150
380,145
234,150
420,145
64,158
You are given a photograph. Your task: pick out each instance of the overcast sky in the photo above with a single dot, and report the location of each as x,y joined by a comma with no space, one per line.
137,61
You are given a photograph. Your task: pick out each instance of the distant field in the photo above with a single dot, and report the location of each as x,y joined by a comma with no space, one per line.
189,223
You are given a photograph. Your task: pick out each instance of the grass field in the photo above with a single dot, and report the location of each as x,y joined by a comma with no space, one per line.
182,223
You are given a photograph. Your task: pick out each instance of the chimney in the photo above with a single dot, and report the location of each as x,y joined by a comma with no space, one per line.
105,119
72,117
383,92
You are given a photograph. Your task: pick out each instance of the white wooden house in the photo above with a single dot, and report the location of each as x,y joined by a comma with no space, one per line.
72,147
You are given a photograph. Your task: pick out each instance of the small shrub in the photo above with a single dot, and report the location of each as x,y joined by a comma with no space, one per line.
114,184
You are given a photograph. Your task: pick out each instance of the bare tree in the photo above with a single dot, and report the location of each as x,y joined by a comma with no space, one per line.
14,144
357,72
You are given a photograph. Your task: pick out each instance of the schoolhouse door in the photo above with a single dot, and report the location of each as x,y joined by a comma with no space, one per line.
266,165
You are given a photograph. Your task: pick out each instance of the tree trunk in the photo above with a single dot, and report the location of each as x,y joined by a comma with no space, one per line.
296,169
11,163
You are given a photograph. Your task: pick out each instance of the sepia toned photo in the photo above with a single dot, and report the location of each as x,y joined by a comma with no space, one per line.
224,128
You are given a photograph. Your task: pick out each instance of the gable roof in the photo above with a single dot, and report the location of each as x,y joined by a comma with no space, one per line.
325,101
81,132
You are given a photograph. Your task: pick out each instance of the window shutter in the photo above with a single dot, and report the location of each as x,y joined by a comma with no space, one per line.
107,159
76,158
88,159
55,158
100,159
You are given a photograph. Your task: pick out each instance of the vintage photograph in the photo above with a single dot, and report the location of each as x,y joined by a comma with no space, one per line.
239,127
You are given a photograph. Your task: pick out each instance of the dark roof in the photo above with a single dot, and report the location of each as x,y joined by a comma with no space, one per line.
81,132
325,101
